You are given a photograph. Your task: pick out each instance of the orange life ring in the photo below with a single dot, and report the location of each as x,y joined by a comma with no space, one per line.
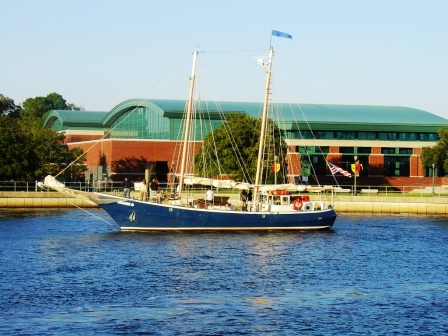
298,203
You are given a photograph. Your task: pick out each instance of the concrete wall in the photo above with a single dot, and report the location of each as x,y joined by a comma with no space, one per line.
42,200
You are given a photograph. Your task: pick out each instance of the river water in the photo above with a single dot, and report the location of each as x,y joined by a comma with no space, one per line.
68,272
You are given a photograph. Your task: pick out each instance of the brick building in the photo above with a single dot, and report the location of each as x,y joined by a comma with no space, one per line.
136,134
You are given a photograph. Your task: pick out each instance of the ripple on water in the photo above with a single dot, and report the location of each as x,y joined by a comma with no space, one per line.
69,273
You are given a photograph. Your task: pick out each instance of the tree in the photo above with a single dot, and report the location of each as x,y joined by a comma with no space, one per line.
51,154
437,154
232,149
18,159
73,165
27,149
38,107
8,108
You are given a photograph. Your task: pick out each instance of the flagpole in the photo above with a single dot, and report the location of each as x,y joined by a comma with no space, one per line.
354,190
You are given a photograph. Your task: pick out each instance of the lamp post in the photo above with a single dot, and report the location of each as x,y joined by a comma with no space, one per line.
355,172
433,172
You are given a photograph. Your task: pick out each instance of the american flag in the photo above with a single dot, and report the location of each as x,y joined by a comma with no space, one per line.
335,169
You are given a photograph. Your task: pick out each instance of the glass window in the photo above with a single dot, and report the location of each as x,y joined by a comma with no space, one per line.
323,149
403,136
303,135
405,151
365,150
423,136
382,136
324,134
392,136
367,135
433,137
347,150
345,135
141,123
57,125
305,149
387,150
412,136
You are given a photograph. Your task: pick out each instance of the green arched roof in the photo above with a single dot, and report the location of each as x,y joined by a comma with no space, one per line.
320,115
71,118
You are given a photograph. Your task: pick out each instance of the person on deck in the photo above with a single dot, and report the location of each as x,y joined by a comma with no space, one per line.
126,188
243,195
154,186
249,196
209,196
143,190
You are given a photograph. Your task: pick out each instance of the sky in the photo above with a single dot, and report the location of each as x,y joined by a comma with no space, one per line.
99,53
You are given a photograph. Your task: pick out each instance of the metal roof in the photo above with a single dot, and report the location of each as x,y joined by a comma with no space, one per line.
71,118
359,114
322,116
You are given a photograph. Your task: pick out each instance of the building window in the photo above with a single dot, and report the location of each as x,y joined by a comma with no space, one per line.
396,166
347,150
303,135
387,150
364,150
324,134
141,123
323,149
367,135
345,135
305,149
405,151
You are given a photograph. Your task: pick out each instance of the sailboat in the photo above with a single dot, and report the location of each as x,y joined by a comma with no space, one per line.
273,207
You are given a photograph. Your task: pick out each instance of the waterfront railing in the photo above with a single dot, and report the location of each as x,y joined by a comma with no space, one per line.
117,189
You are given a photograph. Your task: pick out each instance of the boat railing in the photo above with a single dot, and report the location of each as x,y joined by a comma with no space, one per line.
116,188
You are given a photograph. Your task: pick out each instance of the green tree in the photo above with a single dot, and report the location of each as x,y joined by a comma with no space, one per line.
50,152
38,107
74,165
437,154
27,149
18,159
7,107
232,149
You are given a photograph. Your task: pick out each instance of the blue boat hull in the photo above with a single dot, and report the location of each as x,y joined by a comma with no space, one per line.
134,215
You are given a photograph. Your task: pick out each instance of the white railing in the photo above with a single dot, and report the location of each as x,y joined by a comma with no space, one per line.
361,190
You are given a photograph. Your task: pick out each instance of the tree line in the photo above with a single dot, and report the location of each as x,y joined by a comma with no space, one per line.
29,151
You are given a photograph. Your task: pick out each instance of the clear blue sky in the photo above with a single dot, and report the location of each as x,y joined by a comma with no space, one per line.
97,54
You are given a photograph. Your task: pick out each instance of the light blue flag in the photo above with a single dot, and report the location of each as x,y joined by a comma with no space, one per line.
280,34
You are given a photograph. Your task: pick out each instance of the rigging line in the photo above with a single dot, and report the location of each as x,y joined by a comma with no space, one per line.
97,217
278,111
119,123
102,138
235,148
215,151
166,78
313,135
230,51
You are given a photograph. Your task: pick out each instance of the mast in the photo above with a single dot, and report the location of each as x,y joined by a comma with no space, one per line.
268,67
187,124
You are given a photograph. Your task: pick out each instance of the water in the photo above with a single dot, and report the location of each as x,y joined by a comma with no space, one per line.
65,272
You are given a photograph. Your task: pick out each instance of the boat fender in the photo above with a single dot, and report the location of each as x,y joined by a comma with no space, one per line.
298,203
